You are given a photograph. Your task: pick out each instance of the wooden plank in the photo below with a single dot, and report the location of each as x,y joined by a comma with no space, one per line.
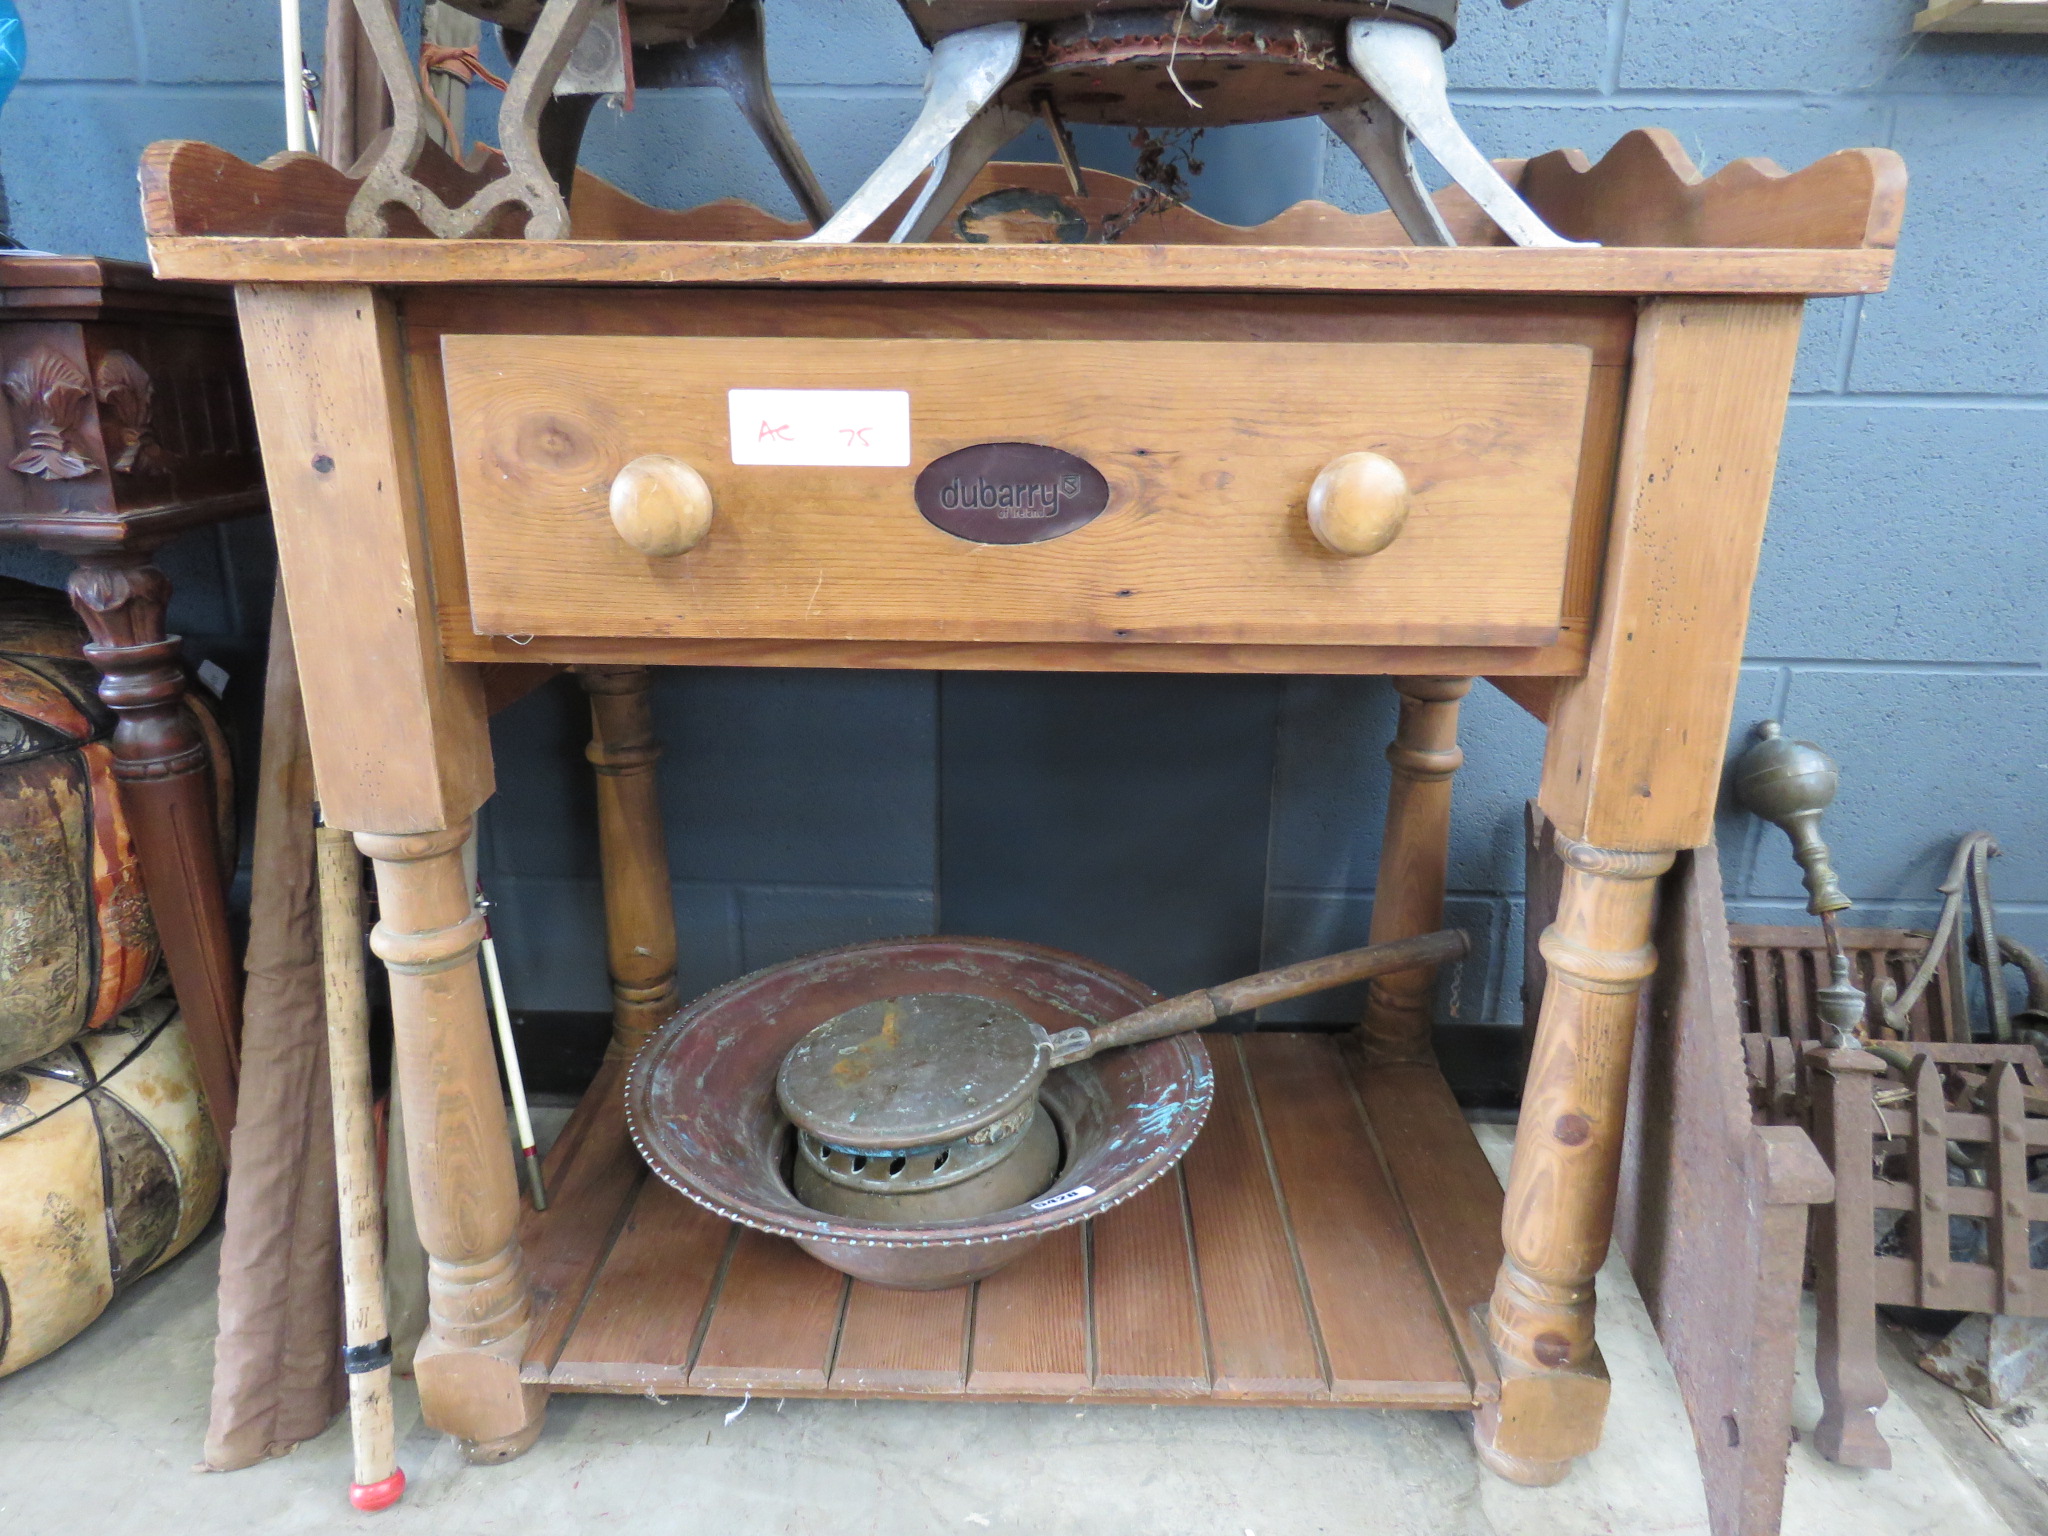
1395,269
1770,1014
1713,1210
641,1321
1994,16
1449,1190
1148,1319
1798,995
1931,1128
775,1321
591,1171
903,1341
324,372
1031,1322
1260,1339
1646,191
1604,325
1633,761
1535,694
1375,1307
637,1275
1566,657
1488,436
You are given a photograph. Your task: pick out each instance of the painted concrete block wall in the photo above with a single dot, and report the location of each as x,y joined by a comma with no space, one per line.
1898,616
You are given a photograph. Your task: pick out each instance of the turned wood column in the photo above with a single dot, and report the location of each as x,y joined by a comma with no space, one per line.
1408,895
639,906
1559,1212
465,1195
160,761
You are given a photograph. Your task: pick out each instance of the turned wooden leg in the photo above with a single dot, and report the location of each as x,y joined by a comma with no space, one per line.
1559,1213
1408,896
639,907
160,762
1852,1385
464,1188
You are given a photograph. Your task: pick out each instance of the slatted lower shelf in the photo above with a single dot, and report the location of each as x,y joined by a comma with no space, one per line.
1326,1241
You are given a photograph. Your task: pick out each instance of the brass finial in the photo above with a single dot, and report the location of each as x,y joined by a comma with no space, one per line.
1790,783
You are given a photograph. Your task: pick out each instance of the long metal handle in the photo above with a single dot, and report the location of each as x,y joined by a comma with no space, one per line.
1198,1010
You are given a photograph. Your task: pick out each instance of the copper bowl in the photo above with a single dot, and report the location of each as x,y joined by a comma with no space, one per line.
700,1101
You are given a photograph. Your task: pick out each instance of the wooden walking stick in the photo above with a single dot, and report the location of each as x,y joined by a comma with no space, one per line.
366,1352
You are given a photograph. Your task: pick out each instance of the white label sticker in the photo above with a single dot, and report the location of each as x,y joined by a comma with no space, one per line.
856,428
1065,1197
215,676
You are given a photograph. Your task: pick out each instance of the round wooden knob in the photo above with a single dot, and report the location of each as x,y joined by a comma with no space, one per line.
660,505
1358,504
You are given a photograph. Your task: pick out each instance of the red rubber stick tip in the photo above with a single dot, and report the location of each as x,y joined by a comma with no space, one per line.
371,1497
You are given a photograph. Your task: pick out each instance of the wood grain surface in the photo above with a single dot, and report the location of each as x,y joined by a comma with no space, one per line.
667,1248
1208,1286
777,1320
1261,1339
1205,540
1031,1320
338,452
909,1340
1644,192
1148,1323
1391,269
1370,1289
1633,760
1542,664
591,1170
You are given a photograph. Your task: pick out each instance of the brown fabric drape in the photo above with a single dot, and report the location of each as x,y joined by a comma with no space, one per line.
277,1375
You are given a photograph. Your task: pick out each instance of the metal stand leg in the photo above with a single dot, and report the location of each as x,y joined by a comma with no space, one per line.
733,56
958,164
1404,64
1380,140
967,70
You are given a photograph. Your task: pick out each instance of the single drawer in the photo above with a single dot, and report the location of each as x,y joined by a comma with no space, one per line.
1208,451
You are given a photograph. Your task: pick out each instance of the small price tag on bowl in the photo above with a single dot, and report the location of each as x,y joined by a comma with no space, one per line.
1064,1197
853,428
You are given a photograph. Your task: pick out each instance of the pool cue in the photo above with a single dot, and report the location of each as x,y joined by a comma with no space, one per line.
366,1352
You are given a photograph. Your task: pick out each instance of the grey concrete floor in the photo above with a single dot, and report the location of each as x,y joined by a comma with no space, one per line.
103,1437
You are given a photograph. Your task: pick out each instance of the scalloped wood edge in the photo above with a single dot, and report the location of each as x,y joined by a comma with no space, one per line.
195,189
1646,191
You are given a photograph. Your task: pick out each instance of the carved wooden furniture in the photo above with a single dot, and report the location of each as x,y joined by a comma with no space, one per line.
1588,437
126,423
